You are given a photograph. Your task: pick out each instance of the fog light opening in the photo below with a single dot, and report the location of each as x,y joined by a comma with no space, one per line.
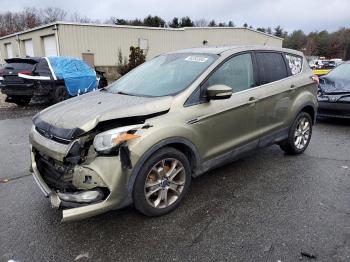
82,197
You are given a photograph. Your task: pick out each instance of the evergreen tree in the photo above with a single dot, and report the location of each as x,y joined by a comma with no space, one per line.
231,24
278,31
186,22
212,23
174,23
153,21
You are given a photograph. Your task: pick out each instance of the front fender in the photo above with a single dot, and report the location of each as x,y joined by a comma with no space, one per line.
152,140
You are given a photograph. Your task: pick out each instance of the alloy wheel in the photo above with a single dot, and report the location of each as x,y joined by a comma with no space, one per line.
302,133
165,183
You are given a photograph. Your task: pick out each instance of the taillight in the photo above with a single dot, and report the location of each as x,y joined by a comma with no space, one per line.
316,79
25,73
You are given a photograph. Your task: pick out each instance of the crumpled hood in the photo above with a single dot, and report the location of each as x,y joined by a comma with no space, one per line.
81,114
333,86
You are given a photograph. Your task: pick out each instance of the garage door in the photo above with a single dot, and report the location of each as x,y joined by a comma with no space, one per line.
28,46
9,50
50,45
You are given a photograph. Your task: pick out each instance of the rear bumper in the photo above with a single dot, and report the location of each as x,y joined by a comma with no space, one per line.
27,89
333,109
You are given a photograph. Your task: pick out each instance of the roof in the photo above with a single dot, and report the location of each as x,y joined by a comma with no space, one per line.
207,49
220,49
135,27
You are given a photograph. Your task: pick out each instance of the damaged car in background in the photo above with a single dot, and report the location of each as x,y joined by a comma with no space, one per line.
334,93
141,139
45,79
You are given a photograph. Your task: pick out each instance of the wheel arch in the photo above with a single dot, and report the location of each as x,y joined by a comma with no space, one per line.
310,109
183,145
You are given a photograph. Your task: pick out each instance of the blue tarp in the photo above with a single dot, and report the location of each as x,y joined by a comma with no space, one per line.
78,76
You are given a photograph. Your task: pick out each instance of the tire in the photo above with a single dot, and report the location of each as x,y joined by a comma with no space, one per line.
60,94
169,184
102,83
21,100
299,135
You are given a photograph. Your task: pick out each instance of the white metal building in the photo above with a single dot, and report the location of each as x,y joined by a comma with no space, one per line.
99,44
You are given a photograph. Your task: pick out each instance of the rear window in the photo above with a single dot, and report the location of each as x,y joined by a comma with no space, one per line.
271,67
19,66
295,63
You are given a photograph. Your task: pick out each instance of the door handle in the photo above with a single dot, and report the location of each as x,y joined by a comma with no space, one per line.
252,100
293,86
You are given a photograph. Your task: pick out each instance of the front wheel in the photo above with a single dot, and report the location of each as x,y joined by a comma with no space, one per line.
162,182
299,135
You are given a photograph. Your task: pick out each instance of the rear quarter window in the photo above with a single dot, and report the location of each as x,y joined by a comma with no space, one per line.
295,63
271,67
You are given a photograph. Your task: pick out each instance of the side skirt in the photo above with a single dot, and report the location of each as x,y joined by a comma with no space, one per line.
241,151
226,158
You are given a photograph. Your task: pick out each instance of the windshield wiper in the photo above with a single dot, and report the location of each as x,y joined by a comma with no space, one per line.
123,93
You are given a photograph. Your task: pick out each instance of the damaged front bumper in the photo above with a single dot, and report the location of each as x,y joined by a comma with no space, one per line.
94,186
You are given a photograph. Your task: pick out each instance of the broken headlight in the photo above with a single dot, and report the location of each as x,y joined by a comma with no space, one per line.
106,141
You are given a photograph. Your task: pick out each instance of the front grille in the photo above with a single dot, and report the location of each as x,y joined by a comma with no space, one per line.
56,175
52,137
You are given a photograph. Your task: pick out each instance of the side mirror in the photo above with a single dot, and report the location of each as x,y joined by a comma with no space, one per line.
218,92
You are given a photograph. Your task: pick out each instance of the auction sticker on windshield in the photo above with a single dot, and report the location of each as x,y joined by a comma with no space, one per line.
198,59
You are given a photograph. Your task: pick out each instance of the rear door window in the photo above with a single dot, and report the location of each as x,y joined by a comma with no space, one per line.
271,67
295,63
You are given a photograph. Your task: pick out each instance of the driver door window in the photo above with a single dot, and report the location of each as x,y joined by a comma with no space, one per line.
236,73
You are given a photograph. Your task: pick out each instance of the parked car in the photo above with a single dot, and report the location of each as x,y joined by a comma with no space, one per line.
176,116
1,70
11,84
52,79
322,67
334,93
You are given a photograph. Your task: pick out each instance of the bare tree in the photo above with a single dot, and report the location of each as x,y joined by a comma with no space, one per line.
111,20
52,14
30,18
82,19
201,22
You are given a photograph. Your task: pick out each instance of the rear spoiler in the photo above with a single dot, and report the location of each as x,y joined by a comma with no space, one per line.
22,60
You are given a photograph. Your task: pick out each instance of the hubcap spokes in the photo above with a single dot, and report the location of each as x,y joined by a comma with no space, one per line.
302,133
165,183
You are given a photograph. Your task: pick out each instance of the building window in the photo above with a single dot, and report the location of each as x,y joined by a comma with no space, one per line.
28,46
9,51
143,44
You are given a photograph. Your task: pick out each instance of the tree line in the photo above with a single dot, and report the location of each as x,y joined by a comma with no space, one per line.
320,43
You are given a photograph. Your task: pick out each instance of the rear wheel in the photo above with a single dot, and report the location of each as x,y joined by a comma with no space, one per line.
20,100
299,135
60,94
162,182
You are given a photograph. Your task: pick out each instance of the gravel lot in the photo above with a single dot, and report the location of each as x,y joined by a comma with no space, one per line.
265,207
10,110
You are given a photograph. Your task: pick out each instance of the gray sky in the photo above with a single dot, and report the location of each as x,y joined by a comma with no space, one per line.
308,15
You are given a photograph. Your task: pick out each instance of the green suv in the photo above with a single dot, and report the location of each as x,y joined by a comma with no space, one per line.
141,139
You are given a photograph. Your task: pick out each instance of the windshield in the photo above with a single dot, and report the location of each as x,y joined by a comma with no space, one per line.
164,75
342,72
